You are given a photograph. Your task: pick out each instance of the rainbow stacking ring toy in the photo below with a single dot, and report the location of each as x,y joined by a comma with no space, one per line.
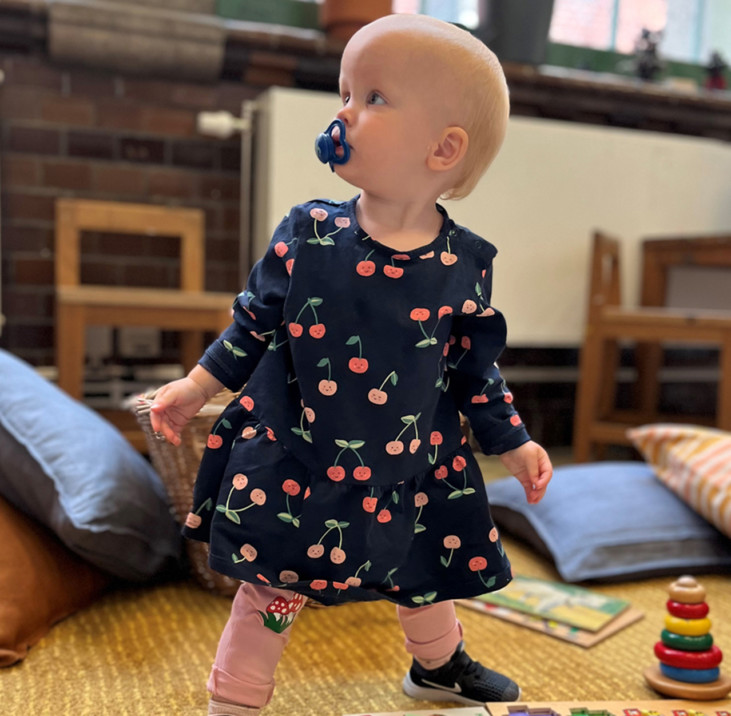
689,662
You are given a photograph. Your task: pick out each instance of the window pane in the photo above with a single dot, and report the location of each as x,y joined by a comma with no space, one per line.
634,16
681,36
587,23
462,11
412,6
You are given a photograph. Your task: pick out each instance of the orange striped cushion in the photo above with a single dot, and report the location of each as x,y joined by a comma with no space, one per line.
695,463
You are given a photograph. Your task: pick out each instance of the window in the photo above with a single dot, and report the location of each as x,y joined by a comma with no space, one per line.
691,29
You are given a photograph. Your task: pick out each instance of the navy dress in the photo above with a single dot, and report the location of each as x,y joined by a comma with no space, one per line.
340,471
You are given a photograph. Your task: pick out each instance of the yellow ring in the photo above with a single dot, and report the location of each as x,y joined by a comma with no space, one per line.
687,627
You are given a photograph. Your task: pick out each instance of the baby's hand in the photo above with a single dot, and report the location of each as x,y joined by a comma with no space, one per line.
174,405
532,467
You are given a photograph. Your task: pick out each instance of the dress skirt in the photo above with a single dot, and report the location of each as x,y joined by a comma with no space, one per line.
272,520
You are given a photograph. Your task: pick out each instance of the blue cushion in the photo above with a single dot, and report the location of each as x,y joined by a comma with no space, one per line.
71,470
611,521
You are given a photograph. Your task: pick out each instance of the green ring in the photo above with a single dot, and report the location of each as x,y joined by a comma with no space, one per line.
686,643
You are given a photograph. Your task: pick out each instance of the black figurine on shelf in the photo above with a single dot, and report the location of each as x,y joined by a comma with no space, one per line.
715,77
646,63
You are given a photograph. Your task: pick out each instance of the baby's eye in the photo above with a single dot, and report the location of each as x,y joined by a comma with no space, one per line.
345,98
375,98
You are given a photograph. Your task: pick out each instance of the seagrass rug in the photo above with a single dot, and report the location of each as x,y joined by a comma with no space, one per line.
147,651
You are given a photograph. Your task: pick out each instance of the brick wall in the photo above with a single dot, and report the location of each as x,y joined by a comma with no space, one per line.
73,132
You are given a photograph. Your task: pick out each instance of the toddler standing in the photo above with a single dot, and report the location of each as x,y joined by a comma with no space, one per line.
340,471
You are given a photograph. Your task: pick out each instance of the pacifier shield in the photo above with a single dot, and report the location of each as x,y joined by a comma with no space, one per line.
326,147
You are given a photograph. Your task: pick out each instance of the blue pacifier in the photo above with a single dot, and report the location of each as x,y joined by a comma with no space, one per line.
325,145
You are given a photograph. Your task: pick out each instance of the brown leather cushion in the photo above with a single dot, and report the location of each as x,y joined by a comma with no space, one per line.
41,582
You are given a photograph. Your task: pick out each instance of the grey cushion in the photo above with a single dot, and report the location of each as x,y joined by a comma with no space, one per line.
71,470
610,521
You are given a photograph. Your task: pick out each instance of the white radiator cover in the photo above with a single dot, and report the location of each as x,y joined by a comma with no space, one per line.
551,186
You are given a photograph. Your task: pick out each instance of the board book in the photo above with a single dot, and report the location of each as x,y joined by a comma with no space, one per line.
565,632
564,603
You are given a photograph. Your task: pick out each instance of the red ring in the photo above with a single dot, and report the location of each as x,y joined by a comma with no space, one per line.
687,611
688,659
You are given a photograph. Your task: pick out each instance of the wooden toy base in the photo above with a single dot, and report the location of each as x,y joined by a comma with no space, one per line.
700,692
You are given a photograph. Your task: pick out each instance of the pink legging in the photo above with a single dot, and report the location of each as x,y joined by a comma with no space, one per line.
248,652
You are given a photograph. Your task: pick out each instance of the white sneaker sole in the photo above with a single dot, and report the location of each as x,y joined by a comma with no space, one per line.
435,694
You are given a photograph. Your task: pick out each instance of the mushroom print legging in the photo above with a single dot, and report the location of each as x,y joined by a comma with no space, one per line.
258,630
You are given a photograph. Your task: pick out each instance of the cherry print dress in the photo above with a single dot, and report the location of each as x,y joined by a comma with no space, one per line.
340,470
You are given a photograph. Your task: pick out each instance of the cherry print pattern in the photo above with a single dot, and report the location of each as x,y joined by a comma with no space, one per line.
342,472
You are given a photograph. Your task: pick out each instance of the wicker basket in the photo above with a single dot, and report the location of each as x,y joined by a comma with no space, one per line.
178,467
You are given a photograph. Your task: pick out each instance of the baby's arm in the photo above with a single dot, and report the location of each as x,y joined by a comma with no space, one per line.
531,465
179,401
230,360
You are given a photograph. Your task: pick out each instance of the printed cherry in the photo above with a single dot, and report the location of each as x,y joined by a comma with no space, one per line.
295,329
448,258
370,504
395,447
336,473
393,271
192,520
378,397
358,365
327,387
419,314
365,268
482,398
383,516
317,330
337,555
362,473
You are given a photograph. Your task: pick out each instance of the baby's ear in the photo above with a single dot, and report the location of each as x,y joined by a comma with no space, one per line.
449,151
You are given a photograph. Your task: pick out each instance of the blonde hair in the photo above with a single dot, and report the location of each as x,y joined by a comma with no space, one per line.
487,106
476,85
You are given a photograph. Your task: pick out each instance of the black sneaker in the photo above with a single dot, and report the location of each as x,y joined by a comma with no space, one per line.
462,680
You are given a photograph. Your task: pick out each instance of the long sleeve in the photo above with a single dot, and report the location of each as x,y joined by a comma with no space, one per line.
474,378
257,313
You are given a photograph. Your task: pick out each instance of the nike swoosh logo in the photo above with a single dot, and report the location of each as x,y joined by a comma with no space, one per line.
456,689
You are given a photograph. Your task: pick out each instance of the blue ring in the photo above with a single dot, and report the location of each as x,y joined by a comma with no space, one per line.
690,676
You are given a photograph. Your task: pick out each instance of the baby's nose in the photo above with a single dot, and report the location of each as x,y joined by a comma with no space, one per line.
344,114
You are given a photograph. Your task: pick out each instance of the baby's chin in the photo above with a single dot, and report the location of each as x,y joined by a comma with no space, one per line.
344,172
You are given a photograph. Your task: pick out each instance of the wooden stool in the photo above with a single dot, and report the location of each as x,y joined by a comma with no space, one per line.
188,309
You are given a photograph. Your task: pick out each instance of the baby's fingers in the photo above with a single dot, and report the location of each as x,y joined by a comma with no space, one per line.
163,425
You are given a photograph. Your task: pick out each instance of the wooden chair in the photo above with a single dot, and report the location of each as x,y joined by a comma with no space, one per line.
188,309
597,423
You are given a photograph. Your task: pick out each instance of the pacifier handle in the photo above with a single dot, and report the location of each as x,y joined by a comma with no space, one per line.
325,145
